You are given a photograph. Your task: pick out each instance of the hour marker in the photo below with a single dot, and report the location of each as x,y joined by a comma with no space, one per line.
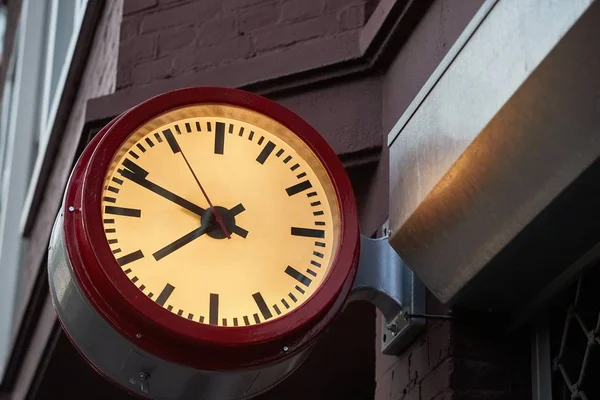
262,138
171,140
316,253
319,244
213,313
224,322
116,251
109,199
307,232
230,128
311,194
142,288
246,320
113,189
110,230
294,299
299,187
165,294
209,126
285,303
310,271
320,223
251,135
276,309
297,275
133,167
256,318
279,153
127,271
241,131
177,129
113,241
158,138
134,279
126,212
315,203
134,154
302,175
266,152
219,137
262,306
141,147
198,128
180,312
188,127
294,167
150,142
117,180
108,221
235,322
131,257
316,264
287,159
170,308
298,288
150,294
316,213
190,316
201,319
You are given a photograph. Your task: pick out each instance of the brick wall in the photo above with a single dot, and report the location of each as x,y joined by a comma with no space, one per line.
171,38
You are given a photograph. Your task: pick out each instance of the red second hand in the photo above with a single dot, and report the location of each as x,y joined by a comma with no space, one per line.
214,210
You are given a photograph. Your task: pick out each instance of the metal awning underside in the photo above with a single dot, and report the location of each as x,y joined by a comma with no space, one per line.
494,168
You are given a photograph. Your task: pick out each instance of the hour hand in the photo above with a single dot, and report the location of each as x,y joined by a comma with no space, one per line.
182,241
137,174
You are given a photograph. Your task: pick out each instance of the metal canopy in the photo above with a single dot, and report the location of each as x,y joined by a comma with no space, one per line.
494,168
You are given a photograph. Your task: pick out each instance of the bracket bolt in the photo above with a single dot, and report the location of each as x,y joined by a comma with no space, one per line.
71,208
393,327
285,348
138,335
141,380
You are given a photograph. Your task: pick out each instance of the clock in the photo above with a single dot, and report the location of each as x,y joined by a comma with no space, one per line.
208,237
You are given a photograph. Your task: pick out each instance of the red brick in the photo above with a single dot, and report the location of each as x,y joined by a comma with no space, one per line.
235,4
294,10
352,17
383,386
480,375
239,47
130,27
173,2
437,381
124,77
134,6
152,70
259,17
284,35
419,362
439,339
414,393
400,379
184,14
175,38
447,395
335,5
137,49
217,30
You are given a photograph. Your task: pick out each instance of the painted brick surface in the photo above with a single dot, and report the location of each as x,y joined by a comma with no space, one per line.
168,39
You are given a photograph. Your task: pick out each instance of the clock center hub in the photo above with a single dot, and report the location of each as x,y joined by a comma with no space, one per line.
215,230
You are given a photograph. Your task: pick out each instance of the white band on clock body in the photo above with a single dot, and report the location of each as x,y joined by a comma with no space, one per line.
127,365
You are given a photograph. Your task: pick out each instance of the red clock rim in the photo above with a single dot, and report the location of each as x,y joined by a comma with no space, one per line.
163,333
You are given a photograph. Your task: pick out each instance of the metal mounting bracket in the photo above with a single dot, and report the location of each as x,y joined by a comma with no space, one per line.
384,280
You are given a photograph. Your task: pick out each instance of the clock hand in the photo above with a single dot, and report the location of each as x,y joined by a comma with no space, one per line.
182,241
212,207
142,181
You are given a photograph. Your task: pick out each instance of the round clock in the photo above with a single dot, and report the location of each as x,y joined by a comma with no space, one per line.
208,236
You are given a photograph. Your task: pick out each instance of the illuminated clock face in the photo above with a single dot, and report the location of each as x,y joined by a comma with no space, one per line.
221,215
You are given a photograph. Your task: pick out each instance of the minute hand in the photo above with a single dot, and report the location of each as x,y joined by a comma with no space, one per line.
142,181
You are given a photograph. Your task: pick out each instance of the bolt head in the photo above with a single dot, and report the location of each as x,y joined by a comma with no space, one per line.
285,348
138,335
71,208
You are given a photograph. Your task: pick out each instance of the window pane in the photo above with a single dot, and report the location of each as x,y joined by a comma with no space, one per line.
65,21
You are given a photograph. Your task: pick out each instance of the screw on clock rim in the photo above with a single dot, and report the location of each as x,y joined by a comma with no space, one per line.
164,333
